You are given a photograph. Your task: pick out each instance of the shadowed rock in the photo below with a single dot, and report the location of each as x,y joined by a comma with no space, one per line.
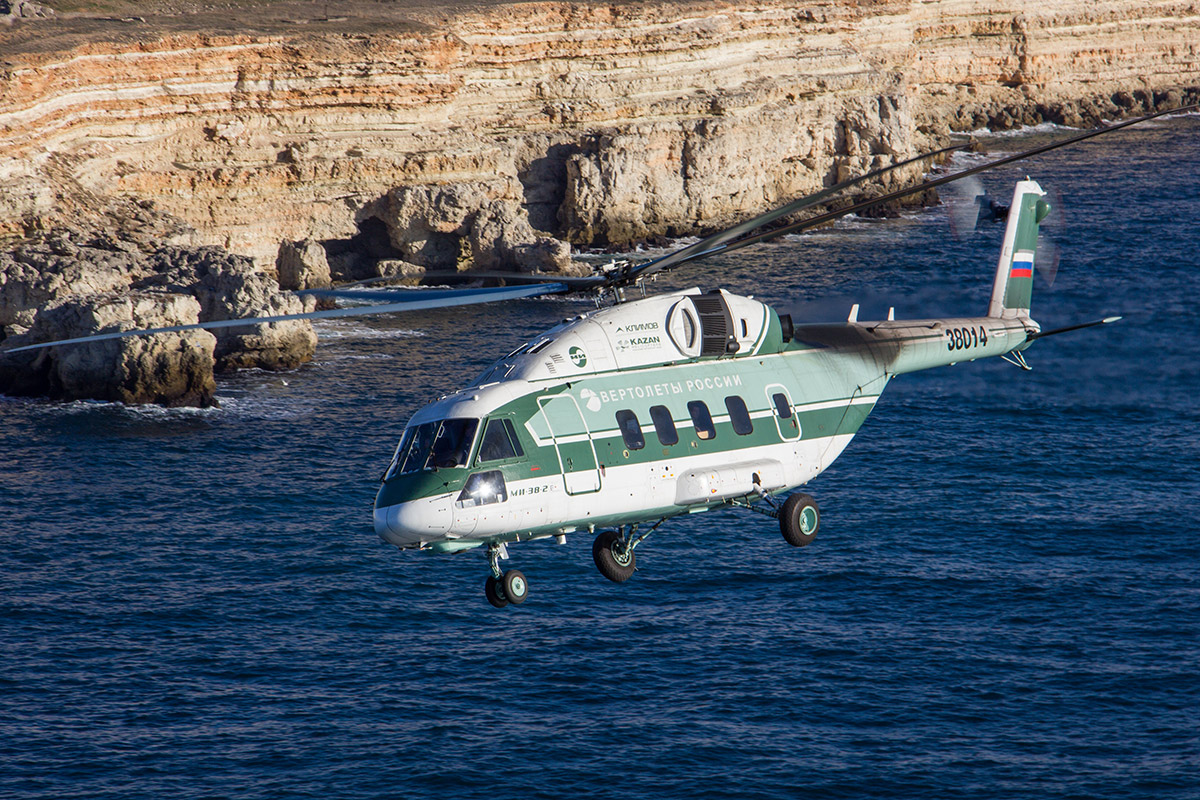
70,284
172,369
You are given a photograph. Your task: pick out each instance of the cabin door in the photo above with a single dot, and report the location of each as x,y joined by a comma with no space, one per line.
573,443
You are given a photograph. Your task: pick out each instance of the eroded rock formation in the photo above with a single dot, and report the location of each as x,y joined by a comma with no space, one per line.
69,284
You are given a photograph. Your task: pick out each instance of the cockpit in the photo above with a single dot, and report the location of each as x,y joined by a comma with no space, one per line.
448,443
441,444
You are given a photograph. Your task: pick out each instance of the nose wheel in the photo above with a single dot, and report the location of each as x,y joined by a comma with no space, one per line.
502,588
510,588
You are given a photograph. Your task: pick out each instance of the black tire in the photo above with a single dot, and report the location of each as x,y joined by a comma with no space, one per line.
613,563
516,588
799,520
494,592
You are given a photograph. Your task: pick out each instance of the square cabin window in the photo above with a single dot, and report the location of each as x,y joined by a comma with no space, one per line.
739,415
702,420
664,426
631,429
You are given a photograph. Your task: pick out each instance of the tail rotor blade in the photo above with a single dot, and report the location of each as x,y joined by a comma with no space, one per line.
964,204
1045,261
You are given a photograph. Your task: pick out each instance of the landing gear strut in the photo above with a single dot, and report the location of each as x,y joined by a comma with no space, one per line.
799,518
503,588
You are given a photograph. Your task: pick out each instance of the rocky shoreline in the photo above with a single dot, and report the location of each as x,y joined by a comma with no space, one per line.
162,164
72,282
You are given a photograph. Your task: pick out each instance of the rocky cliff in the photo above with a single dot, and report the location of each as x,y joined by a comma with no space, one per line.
451,135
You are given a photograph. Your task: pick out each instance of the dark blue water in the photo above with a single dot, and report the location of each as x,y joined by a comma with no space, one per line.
1004,600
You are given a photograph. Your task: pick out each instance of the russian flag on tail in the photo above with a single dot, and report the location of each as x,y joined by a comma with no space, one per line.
1022,265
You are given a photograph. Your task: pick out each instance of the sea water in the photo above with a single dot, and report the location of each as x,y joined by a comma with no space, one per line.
1003,600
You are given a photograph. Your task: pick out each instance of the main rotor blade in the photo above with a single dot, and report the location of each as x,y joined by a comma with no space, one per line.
575,282
713,243
821,219
419,299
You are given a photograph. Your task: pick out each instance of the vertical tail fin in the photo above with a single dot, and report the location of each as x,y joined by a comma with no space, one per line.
1013,287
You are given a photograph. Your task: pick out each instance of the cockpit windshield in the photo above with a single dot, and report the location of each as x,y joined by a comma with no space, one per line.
437,445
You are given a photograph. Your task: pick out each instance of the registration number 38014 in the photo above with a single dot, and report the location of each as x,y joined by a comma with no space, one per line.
962,338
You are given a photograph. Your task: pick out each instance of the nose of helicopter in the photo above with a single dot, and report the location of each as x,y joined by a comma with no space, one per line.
414,522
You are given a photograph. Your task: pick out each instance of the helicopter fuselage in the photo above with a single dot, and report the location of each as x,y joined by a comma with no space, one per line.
653,408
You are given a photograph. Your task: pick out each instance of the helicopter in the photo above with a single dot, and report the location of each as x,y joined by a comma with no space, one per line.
645,409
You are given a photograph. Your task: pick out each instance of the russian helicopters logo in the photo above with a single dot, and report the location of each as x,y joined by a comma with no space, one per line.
591,399
578,357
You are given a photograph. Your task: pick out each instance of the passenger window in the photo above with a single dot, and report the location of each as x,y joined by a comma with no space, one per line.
739,415
499,441
631,429
702,420
782,407
664,426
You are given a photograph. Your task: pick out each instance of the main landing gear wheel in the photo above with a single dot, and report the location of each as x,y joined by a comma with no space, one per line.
799,520
614,557
495,592
516,588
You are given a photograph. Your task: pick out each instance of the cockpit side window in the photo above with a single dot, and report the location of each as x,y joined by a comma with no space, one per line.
401,451
499,442
418,449
452,444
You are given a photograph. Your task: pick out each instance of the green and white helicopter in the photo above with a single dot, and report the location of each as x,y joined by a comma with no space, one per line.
626,416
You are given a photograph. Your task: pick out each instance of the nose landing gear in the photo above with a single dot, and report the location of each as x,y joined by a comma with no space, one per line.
502,588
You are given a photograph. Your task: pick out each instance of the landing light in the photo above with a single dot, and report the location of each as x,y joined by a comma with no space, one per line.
483,488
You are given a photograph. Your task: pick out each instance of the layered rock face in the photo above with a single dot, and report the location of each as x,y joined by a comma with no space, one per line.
595,123
409,136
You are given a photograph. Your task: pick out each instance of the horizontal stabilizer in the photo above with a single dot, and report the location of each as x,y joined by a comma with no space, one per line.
1042,334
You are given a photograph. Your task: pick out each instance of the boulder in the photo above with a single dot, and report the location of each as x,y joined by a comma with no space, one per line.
474,224
36,274
229,287
402,271
23,9
501,238
302,265
172,369
70,283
